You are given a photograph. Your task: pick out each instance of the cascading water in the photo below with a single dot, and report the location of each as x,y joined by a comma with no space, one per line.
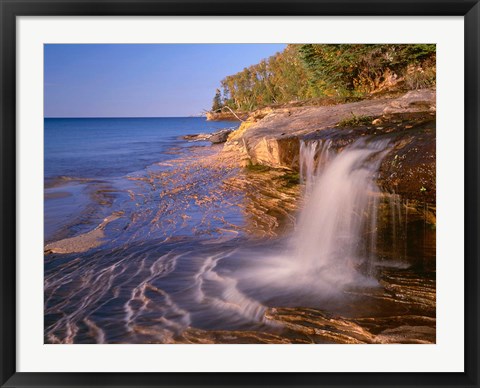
334,243
336,232
312,159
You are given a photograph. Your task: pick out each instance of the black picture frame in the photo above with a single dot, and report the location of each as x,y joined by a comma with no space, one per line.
10,9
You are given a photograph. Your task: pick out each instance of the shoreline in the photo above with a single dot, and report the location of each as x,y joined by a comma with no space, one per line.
266,196
196,226
274,176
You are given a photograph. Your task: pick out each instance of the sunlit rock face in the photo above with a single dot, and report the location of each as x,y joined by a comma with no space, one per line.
408,122
413,102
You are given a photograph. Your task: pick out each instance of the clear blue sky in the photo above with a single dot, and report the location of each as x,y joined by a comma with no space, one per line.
104,80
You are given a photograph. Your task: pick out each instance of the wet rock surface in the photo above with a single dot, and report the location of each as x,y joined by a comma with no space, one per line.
207,195
409,168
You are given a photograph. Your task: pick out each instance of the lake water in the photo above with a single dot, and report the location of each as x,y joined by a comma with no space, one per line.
79,151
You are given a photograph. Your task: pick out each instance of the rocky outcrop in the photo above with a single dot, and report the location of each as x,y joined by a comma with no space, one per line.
220,136
215,137
226,116
413,102
272,137
409,167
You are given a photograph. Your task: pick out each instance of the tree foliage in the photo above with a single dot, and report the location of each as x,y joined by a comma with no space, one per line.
307,71
217,101
359,68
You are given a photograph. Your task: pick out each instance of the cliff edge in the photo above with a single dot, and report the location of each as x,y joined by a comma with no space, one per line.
271,137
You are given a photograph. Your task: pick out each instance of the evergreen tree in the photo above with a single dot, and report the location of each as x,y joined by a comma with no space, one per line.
217,101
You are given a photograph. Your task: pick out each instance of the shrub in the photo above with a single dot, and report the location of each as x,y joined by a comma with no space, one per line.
257,168
419,78
356,121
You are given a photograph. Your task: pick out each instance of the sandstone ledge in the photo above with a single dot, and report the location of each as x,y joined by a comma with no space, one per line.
271,137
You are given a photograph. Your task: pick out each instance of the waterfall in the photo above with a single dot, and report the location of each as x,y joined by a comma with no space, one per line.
310,162
336,234
334,243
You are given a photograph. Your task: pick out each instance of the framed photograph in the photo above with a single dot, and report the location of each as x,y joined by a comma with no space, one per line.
239,193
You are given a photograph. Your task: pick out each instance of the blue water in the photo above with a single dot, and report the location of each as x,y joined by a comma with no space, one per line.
112,147
87,160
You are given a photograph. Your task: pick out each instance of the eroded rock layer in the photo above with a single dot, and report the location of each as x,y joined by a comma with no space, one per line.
272,137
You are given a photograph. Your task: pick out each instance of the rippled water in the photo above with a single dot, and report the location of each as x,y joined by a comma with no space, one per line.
186,260
87,161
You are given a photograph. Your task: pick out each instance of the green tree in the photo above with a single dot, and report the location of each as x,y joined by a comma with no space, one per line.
307,71
217,101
